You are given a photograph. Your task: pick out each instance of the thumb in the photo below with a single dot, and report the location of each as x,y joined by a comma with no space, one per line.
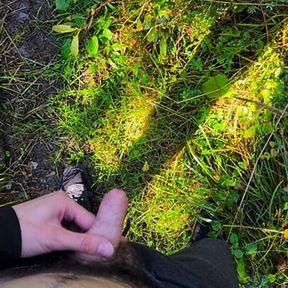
83,243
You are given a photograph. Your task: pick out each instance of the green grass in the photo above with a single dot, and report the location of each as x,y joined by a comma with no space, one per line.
153,103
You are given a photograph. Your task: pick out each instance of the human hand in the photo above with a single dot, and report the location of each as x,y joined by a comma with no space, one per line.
42,231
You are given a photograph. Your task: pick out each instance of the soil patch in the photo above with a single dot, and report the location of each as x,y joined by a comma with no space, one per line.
28,51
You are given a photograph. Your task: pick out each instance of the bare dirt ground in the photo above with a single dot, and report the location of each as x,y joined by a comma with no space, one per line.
28,50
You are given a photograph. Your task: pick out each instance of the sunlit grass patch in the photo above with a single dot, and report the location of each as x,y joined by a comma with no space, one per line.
224,151
120,129
173,101
239,115
163,216
121,74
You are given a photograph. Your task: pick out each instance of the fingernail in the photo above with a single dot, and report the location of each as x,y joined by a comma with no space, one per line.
105,249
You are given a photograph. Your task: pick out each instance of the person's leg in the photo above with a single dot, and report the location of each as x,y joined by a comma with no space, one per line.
163,271
208,264
209,259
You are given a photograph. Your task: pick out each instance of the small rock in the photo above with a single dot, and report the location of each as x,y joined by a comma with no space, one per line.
23,18
8,186
24,52
33,165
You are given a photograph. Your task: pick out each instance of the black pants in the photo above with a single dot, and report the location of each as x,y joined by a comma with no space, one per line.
207,263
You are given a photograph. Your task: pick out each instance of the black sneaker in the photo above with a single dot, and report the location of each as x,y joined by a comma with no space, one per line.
74,181
201,227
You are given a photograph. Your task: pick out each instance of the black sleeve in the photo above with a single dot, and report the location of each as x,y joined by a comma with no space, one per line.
10,236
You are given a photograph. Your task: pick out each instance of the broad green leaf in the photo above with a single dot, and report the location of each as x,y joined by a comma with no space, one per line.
93,68
68,71
65,48
271,278
216,86
104,23
250,132
116,47
62,4
234,240
148,22
278,72
152,35
163,49
62,28
75,45
241,268
216,225
106,35
266,93
229,182
92,46
266,128
144,78
251,249
238,253
139,26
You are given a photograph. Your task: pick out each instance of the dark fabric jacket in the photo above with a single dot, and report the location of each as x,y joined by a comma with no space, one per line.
10,236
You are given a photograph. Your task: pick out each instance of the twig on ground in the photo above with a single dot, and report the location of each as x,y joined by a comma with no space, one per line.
275,110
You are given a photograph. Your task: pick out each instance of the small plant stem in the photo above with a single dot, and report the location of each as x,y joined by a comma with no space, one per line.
264,230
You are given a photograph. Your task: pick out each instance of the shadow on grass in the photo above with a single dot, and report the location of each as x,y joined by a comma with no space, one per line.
236,42
175,119
172,124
